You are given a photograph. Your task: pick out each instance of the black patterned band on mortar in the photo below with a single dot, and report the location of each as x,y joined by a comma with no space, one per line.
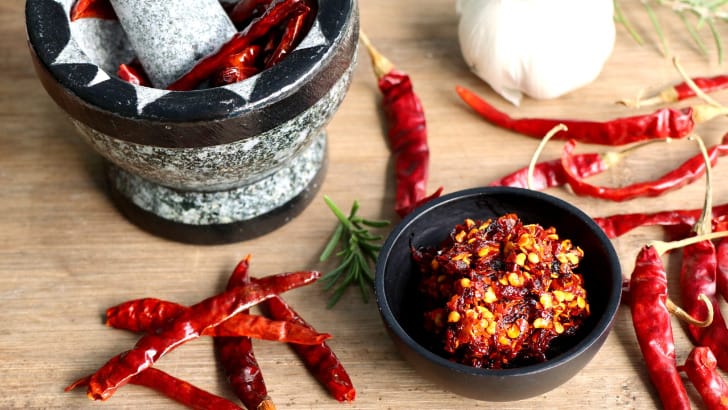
193,118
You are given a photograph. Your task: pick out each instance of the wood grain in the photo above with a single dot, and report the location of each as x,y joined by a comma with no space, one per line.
66,253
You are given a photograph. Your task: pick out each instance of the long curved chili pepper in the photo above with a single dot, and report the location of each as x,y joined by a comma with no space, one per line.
698,276
174,388
150,314
663,123
239,66
701,369
686,173
722,268
406,133
237,357
617,225
275,14
292,34
549,174
100,9
246,10
651,321
683,91
319,359
187,326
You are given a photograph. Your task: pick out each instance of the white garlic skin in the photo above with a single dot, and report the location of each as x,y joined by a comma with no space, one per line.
541,48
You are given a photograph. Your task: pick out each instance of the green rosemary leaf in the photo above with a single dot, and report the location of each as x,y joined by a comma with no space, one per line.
358,250
619,17
658,27
718,41
693,34
375,223
333,242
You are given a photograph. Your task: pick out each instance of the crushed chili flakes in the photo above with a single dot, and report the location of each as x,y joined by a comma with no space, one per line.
497,293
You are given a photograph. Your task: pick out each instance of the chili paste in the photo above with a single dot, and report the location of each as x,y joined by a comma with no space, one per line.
498,293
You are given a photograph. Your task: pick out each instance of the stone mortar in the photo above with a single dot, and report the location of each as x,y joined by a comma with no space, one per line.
205,166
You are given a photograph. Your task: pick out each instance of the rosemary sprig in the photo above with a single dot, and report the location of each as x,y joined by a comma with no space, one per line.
358,252
707,13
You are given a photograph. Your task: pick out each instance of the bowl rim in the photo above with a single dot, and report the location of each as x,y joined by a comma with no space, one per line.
601,327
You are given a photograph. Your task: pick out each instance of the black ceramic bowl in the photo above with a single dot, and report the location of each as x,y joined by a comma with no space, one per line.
430,224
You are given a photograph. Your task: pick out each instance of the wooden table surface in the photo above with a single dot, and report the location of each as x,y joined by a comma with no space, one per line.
66,253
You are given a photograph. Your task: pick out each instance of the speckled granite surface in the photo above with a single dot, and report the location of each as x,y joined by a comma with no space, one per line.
226,206
169,37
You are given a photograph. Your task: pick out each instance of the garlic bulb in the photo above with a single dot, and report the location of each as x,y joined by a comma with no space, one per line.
541,48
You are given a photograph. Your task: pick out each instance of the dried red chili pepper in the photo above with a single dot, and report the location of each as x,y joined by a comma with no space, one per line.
277,12
237,357
149,315
617,225
246,10
651,321
319,359
134,73
698,276
663,123
292,34
187,326
700,367
549,174
407,133
100,9
651,308
239,66
686,173
174,388
722,268
683,91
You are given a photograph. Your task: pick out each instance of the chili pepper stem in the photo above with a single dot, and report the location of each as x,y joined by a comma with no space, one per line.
685,316
266,405
704,223
667,95
663,247
532,165
690,83
381,64
612,157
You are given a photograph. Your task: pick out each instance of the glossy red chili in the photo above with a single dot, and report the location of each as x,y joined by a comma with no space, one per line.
150,314
651,321
237,358
698,276
100,9
134,73
683,91
686,173
174,388
617,225
319,359
189,325
406,133
663,123
702,372
277,12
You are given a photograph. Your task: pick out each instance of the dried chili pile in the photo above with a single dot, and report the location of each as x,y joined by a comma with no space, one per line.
269,30
498,293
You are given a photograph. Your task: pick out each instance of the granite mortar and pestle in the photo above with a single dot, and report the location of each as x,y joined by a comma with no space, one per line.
207,166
